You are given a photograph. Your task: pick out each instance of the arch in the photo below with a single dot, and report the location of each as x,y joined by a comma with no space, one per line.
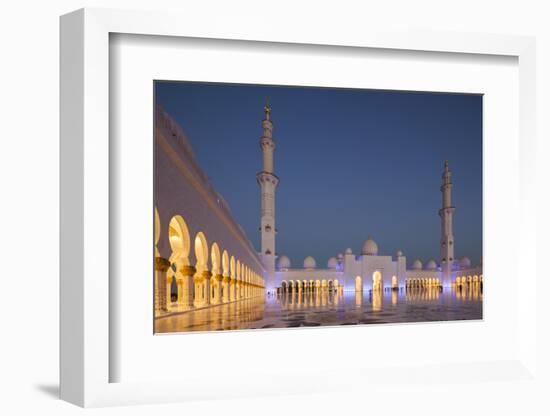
232,267
179,285
157,226
377,280
358,284
215,286
201,292
225,263
216,259
179,239
238,275
247,280
201,252
161,303
394,282
336,283
284,285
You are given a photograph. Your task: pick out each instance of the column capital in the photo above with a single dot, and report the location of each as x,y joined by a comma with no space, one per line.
187,270
207,274
161,264
218,277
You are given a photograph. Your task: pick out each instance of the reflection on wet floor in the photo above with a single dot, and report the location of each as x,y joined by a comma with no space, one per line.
324,308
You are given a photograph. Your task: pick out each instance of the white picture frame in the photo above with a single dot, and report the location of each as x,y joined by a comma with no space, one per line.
85,212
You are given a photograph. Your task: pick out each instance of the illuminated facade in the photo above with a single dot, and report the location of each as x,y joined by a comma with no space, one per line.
202,255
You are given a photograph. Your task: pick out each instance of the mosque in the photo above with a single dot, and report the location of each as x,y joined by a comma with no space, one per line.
203,257
368,270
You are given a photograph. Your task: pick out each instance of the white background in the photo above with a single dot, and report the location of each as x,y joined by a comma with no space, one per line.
29,164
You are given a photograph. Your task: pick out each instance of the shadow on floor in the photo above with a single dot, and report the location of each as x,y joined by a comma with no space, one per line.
51,390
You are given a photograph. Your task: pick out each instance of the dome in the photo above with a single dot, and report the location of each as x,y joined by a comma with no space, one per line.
309,263
283,263
399,253
431,265
417,265
370,248
348,251
465,262
332,263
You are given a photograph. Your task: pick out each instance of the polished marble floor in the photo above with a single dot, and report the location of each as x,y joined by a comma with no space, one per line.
325,308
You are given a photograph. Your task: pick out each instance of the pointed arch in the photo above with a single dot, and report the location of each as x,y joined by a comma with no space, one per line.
157,226
216,259
179,239
225,263
201,252
232,267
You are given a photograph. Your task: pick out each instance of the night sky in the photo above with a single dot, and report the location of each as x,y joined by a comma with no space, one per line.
352,164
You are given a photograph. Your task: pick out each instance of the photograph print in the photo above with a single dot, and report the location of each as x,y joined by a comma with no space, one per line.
294,207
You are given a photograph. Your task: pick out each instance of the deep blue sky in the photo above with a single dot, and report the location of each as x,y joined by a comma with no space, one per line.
352,163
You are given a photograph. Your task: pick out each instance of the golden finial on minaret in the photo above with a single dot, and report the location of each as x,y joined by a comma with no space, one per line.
267,109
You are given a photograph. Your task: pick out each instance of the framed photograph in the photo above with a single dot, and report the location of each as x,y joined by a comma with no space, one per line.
294,215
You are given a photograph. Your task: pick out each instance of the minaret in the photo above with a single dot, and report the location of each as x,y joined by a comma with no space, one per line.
447,237
268,184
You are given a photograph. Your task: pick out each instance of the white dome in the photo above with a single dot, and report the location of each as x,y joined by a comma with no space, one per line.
465,262
332,263
431,265
417,265
370,248
309,263
348,251
399,253
283,263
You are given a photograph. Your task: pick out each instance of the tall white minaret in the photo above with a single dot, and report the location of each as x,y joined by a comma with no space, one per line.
268,184
447,237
